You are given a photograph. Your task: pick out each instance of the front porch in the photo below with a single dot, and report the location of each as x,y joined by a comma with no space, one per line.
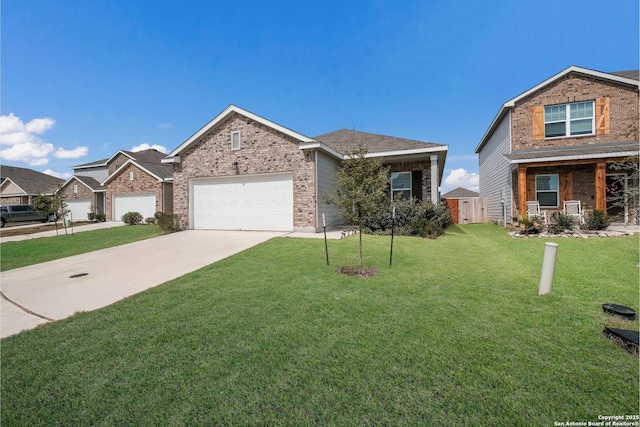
591,181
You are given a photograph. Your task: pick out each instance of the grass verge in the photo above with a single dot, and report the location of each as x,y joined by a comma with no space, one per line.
34,251
453,333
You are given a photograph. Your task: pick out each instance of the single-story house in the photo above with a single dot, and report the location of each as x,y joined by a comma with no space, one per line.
243,172
128,181
21,185
558,140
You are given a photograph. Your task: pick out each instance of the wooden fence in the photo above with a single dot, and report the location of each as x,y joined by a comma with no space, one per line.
468,210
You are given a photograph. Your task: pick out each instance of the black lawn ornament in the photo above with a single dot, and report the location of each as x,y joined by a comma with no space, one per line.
624,338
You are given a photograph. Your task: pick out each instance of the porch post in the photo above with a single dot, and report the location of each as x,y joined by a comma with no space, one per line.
435,195
522,190
601,186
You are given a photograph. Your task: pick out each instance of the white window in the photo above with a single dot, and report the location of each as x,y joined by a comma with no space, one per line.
131,176
547,190
235,140
75,189
569,119
401,185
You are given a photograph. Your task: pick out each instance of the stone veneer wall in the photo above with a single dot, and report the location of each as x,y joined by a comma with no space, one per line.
623,112
263,150
121,184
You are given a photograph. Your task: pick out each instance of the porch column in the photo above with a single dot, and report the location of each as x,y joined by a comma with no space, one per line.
601,186
522,190
435,195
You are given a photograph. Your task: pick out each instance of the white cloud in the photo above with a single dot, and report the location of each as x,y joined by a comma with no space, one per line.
62,175
21,142
461,178
76,153
145,146
166,125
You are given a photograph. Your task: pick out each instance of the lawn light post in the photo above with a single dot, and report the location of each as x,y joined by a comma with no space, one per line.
326,249
393,223
548,267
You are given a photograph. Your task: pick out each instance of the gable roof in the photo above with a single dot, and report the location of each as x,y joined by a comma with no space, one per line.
161,172
30,181
91,183
231,109
460,193
346,141
629,78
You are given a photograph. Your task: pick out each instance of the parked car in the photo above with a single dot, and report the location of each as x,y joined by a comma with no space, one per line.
23,213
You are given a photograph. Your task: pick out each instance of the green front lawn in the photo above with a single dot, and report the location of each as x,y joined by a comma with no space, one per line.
453,334
33,251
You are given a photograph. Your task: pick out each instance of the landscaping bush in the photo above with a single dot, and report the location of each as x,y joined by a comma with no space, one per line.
98,217
169,223
413,218
597,220
151,220
132,218
560,222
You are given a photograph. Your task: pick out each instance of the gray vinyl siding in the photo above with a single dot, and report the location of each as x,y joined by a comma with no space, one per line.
495,173
98,173
326,169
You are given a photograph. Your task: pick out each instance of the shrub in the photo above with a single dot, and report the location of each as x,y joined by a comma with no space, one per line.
132,218
530,225
169,223
597,220
98,217
151,220
560,222
413,218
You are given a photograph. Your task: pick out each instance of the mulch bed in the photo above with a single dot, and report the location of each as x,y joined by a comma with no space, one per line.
356,271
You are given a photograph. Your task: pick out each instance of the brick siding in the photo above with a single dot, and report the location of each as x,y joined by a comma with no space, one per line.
122,184
83,193
263,150
623,110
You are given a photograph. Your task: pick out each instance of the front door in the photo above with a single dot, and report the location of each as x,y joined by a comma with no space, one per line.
616,197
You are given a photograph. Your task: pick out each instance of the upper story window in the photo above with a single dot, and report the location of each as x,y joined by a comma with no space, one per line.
569,119
236,140
547,190
75,189
401,185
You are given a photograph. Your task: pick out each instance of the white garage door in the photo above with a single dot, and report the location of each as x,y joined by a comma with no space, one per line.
145,204
257,202
78,209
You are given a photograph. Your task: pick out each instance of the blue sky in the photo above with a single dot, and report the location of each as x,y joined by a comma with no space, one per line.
83,79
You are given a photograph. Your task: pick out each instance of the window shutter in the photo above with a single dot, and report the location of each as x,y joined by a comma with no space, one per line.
602,116
538,122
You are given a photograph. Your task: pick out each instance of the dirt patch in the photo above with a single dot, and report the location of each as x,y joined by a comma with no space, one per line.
8,230
356,271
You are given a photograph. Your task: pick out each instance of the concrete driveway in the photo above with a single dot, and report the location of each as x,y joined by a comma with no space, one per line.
47,292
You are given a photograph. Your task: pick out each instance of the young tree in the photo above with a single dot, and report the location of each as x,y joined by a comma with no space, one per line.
628,196
52,204
361,186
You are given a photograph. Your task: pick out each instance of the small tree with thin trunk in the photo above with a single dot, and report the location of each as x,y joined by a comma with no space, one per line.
361,186
55,204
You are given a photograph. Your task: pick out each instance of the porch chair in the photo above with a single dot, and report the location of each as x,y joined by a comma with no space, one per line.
533,209
573,208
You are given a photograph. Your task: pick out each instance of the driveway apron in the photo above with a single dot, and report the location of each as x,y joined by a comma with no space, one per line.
57,289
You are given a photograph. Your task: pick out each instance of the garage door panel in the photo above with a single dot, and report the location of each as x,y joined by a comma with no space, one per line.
263,202
79,209
145,204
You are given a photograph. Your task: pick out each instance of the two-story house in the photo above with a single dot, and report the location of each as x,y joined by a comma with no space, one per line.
558,140
126,182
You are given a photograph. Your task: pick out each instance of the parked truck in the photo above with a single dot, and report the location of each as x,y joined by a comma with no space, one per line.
23,213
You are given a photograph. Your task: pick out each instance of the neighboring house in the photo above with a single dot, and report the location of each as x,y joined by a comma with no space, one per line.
21,185
460,193
557,141
126,182
244,172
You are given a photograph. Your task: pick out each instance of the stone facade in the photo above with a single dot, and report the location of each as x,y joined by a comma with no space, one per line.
623,112
263,150
122,183
424,168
